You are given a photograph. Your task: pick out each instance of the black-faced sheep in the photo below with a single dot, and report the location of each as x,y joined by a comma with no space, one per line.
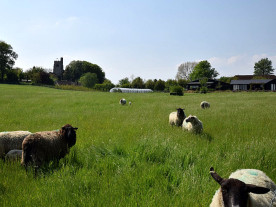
122,101
192,124
45,146
176,118
11,140
244,188
204,105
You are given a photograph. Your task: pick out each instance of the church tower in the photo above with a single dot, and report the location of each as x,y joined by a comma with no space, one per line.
58,68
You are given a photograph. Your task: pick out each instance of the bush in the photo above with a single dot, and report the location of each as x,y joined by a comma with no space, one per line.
104,86
176,90
89,80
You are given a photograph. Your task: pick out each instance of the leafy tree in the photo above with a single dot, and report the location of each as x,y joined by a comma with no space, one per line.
89,80
226,79
7,58
150,84
105,86
124,83
159,85
182,82
203,70
12,76
169,83
76,69
184,70
138,83
39,75
263,67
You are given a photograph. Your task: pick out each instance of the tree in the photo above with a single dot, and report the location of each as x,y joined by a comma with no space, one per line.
39,75
159,85
7,58
150,84
203,70
263,67
89,80
124,83
184,70
76,69
138,83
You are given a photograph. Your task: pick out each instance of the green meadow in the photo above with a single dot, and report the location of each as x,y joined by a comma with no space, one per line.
130,155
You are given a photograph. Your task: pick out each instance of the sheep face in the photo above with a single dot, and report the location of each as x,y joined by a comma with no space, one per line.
180,113
69,133
235,192
191,119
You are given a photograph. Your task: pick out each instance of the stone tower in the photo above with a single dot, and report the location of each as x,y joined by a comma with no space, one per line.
58,68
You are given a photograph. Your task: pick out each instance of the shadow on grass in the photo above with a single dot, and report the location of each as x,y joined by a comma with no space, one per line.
206,136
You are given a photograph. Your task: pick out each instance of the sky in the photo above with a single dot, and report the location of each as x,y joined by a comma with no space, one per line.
141,38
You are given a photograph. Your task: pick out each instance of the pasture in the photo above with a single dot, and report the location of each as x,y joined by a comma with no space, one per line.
130,155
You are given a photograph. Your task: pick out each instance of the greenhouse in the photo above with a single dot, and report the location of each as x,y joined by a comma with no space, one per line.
130,90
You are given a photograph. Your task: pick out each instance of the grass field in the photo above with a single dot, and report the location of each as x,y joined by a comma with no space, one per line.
129,155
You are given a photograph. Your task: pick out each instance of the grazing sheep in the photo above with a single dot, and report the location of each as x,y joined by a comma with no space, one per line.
13,155
204,105
244,188
192,124
176,118
45,146
122,101
11,140
129,103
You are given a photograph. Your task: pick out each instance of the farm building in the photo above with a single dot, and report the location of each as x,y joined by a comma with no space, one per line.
254,84
130,90
211,84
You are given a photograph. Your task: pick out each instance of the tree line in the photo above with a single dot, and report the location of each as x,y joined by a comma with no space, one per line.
92,76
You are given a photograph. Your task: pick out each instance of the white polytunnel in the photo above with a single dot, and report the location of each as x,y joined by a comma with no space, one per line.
130,90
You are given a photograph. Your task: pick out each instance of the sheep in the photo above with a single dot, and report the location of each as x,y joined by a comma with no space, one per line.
204,105
122,101
192,124
13,155
11,140
176,118
129,103
45,146
244,188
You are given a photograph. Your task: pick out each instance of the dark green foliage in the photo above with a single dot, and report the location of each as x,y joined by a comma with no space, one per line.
124,83
7,58
226,79
263,67
105,86
39,76
203,70
159,85
11,76
138,83
89,80
150,84
178,90
169,83
76,69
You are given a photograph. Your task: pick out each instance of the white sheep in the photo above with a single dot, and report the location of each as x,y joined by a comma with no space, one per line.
129,103
11,140
122,101
244,188
45,146
192,124
176,118
13,155
204,105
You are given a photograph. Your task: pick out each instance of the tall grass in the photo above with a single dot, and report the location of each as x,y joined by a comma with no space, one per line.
129,155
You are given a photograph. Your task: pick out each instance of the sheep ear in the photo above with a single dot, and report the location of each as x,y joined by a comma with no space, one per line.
215,175
256,189
75,128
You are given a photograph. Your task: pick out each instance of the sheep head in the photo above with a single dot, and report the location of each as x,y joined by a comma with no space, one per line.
180,113
235,192
69,133
191,119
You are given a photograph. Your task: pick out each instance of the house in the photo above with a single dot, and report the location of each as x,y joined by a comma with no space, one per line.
251,82
211,84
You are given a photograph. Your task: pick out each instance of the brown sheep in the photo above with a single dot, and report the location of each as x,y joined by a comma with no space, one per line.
45,146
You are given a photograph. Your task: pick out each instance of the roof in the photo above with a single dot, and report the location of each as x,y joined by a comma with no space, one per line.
252,81
249,77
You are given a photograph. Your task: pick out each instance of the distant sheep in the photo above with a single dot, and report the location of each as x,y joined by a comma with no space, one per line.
129,103
204,105
13,155
192,124
122,101
176,118
11,140
244,188
45,146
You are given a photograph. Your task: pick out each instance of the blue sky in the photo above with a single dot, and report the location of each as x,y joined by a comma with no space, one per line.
145,38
